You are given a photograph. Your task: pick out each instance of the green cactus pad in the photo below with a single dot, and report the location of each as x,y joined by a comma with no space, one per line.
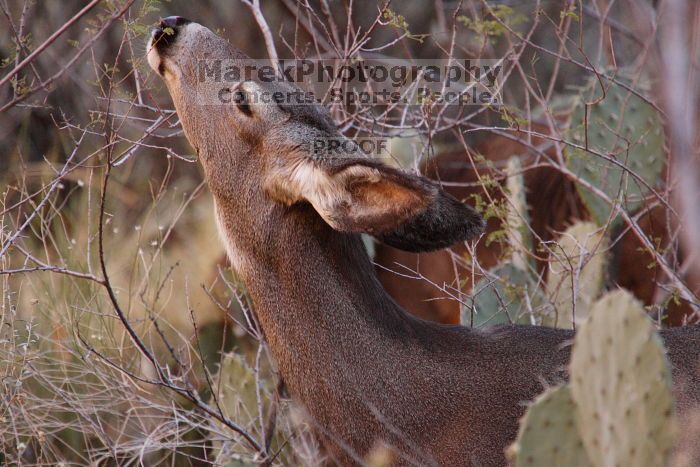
235,385
578,258
621,126
503,299
517,219
548,434
621,382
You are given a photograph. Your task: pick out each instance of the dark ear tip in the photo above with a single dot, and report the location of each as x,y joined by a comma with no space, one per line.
445,222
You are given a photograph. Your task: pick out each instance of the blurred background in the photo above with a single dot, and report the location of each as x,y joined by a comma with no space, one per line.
125,338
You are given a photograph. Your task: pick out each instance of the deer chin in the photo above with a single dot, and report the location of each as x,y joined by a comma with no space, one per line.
239,260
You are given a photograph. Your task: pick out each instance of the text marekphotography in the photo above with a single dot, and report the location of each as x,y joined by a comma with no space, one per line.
357,82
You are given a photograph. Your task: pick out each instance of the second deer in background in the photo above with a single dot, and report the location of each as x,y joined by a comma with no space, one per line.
436,285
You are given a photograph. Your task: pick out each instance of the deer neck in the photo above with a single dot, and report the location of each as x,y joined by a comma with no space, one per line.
315,292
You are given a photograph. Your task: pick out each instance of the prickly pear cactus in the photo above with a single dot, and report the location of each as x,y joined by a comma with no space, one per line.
621,383
510,293
617,409
506,296
576,273
236,395
623,127
236,383
548,434
517,218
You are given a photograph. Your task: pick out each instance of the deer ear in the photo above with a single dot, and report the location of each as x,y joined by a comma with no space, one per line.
405,211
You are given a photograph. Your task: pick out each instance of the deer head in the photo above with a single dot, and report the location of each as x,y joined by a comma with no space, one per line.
253,148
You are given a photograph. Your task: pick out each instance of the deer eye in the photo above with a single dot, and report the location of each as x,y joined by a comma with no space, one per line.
240,99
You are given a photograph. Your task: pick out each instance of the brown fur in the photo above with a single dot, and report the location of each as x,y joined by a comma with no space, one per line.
634,268
364,369
415,280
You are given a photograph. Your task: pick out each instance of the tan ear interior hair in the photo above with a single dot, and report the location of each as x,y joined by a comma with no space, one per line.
357,199
384,204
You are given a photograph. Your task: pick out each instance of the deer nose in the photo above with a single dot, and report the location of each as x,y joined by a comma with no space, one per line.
166,32
173,22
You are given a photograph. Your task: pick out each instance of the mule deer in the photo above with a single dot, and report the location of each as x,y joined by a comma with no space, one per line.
415,280
365,370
